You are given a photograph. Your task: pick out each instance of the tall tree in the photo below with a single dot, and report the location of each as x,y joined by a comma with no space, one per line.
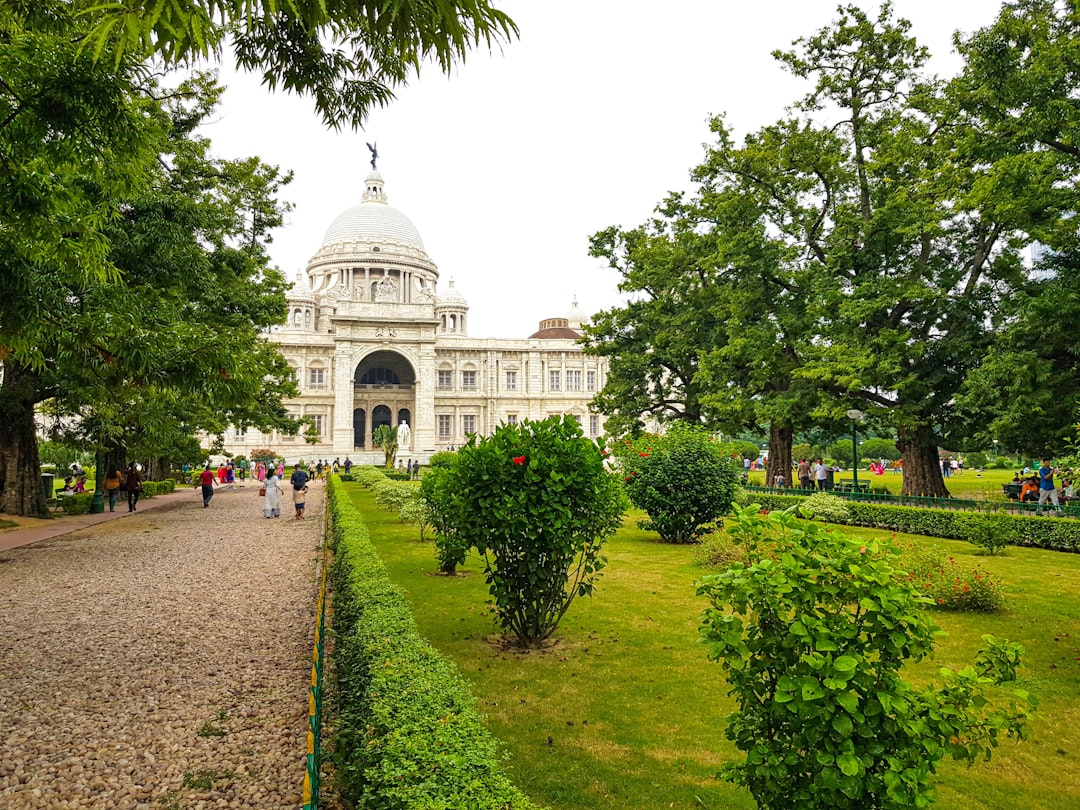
75,139
183,324
910,256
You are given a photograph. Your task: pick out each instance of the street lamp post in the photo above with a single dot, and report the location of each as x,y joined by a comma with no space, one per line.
995,450
854,415
97,503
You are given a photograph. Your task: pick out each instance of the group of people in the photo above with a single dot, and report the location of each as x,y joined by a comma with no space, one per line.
1039,487
810,474
270,477
129,481
411,468
953,465
272,491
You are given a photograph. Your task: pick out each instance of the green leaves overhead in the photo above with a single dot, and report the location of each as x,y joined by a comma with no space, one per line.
349,55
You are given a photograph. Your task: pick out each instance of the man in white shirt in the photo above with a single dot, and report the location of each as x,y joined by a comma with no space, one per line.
821,474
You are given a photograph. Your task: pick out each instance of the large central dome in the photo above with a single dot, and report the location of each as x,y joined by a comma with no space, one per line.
373,220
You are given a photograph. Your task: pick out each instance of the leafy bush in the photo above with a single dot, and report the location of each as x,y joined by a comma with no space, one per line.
825,507
392,495
976,461
76,504
535,500
992,531
436,490
718,550
446,458
812,640
408,735
937,576
682,479
415,510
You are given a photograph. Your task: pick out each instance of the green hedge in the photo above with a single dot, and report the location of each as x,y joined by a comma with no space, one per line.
409,735
1057,534
76,504
152,488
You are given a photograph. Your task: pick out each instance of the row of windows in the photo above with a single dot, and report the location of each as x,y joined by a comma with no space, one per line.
445,425
317,419
468,424
555,381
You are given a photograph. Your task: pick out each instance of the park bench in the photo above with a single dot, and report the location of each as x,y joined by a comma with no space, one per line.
1011,490
850,486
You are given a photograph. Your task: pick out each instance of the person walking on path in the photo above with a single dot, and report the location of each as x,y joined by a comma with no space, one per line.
1047,488
133,485
272,502
206,479
804,474
299,496
299,477
821,475
112,487
348,464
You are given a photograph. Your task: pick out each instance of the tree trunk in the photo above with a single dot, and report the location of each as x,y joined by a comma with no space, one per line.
20,469
922,466
116,459
157,469
779,463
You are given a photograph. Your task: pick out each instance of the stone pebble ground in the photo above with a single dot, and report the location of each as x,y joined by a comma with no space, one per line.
160,661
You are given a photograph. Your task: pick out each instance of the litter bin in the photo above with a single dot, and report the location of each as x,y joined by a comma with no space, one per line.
829,480
47,485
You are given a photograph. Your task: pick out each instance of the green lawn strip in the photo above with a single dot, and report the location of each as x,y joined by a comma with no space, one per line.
628,664
976,486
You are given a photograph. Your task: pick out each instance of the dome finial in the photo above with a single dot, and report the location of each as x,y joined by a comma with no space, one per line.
373,188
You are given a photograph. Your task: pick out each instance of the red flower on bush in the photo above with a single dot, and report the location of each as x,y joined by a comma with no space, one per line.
643,455
519,460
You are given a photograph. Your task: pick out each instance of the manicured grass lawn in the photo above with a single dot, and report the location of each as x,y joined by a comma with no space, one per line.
625,711
979,486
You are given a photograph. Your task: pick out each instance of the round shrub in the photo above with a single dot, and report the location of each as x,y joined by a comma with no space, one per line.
825,507
682,479
535,500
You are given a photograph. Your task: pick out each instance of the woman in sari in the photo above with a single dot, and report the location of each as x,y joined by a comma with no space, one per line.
272,500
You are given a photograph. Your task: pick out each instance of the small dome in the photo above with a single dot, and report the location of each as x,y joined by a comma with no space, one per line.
555,329
452,297
300,289
373,220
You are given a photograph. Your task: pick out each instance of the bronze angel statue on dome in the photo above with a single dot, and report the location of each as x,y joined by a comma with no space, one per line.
373,148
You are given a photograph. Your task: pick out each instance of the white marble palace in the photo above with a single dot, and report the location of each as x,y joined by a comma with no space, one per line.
375,340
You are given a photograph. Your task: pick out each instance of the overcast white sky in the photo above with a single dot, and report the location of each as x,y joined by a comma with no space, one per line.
508,166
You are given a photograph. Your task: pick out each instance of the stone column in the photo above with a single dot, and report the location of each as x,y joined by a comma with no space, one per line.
342,429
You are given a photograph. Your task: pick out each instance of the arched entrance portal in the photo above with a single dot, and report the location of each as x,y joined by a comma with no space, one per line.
384,386
359,423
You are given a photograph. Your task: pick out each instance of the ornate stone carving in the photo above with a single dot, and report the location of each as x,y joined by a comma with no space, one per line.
386,332
386,290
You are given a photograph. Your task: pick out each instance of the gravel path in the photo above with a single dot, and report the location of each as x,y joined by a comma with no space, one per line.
160,661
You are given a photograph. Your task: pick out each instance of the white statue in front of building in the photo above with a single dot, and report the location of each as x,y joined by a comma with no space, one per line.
403,435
